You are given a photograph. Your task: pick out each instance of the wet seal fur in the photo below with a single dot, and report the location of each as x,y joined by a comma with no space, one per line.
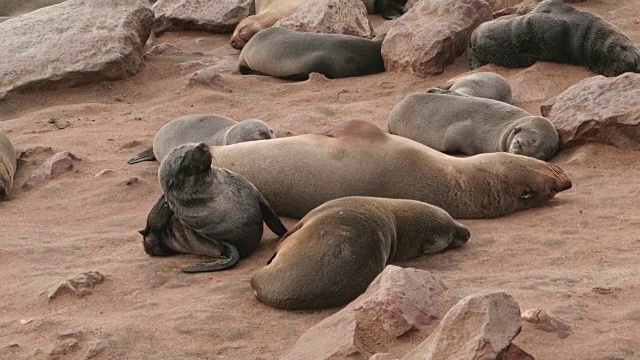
206,211
486,85
330,256
212,130
355,158
293,55
554,31
472,125
8,165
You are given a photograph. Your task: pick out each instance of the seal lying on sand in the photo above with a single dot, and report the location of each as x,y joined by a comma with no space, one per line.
355,158
206,211
8,165
554,31
486,85
471,125
294,55
330,256
209,129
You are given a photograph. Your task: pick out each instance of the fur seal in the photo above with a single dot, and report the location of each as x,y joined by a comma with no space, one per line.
354,236
206,210
486,85
472,125
210,129
8,165
294,55
355,158
554,31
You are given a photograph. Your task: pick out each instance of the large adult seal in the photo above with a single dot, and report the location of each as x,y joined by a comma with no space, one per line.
206,211
471,125
486,85
355,158
294,55
210,129
330,256
554,31
8,165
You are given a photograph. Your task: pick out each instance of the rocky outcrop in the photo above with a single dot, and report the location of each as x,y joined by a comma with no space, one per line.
347,17
220,16
73,43
54,166
431,34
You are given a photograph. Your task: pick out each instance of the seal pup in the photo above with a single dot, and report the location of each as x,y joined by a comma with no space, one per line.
206,210
486,85
209,129
8,165
554,31
355,158
330,256
294,55
472,125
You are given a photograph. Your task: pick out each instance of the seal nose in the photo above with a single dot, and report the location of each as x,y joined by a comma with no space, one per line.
461,235
563,183
234,45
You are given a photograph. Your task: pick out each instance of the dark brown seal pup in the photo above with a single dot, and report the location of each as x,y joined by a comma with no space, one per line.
472,125
486,85
8,165
554,31
294,55
330,256
206,211
355,158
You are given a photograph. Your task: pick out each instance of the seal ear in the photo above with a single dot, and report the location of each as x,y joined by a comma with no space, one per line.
144,232
517,129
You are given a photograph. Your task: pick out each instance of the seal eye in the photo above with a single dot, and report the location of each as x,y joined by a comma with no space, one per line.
527,195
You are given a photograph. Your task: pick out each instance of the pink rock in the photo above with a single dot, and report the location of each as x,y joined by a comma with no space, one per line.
398,300
598,109
431,34
347,17
548,322
54,166
219,16
515,353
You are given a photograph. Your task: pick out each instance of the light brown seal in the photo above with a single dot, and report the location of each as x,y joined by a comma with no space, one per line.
294,55
209,129
471,125
554,31
355,158
486,85
8,165
206,210
330,256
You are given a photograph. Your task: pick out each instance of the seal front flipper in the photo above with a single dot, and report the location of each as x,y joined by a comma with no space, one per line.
270,217
223,263
146,155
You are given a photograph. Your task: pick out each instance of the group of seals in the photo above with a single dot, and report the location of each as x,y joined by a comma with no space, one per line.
294,55
209,129
8,165
472,125
554,31
486,85
330,256
206,210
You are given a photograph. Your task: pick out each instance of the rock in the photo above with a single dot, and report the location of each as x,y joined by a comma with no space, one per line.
598,109
219,16
80,285
54,166
164,49
59,124
73,43
211,78
547,322
383,356
397,301
70,333
480,326
431,34
347,17
64,348
130,181
515,353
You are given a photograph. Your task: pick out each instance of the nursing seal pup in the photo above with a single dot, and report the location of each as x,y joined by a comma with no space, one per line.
471,125
486,85
355,158
206,211
8,165
330,256
294,55
554,31
209,129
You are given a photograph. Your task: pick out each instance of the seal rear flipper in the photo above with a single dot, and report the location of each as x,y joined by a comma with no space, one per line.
145,155
270,217
223,263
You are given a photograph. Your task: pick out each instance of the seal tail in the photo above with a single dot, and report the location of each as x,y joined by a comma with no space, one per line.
145,155
271,218
220,264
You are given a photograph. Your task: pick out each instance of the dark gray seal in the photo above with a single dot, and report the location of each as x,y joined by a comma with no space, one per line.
8,165
486,85
554,31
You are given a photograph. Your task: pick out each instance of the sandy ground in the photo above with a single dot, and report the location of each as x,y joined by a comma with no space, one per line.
550,257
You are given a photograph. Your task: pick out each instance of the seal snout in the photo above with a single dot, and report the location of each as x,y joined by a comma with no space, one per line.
460,235
563,183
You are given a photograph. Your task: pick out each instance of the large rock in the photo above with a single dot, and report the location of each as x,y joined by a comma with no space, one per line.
73,43
397,301
347,17
431,34
479,327
600,109
219,16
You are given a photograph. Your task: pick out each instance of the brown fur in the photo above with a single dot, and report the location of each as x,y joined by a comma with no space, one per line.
8,165
486,85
